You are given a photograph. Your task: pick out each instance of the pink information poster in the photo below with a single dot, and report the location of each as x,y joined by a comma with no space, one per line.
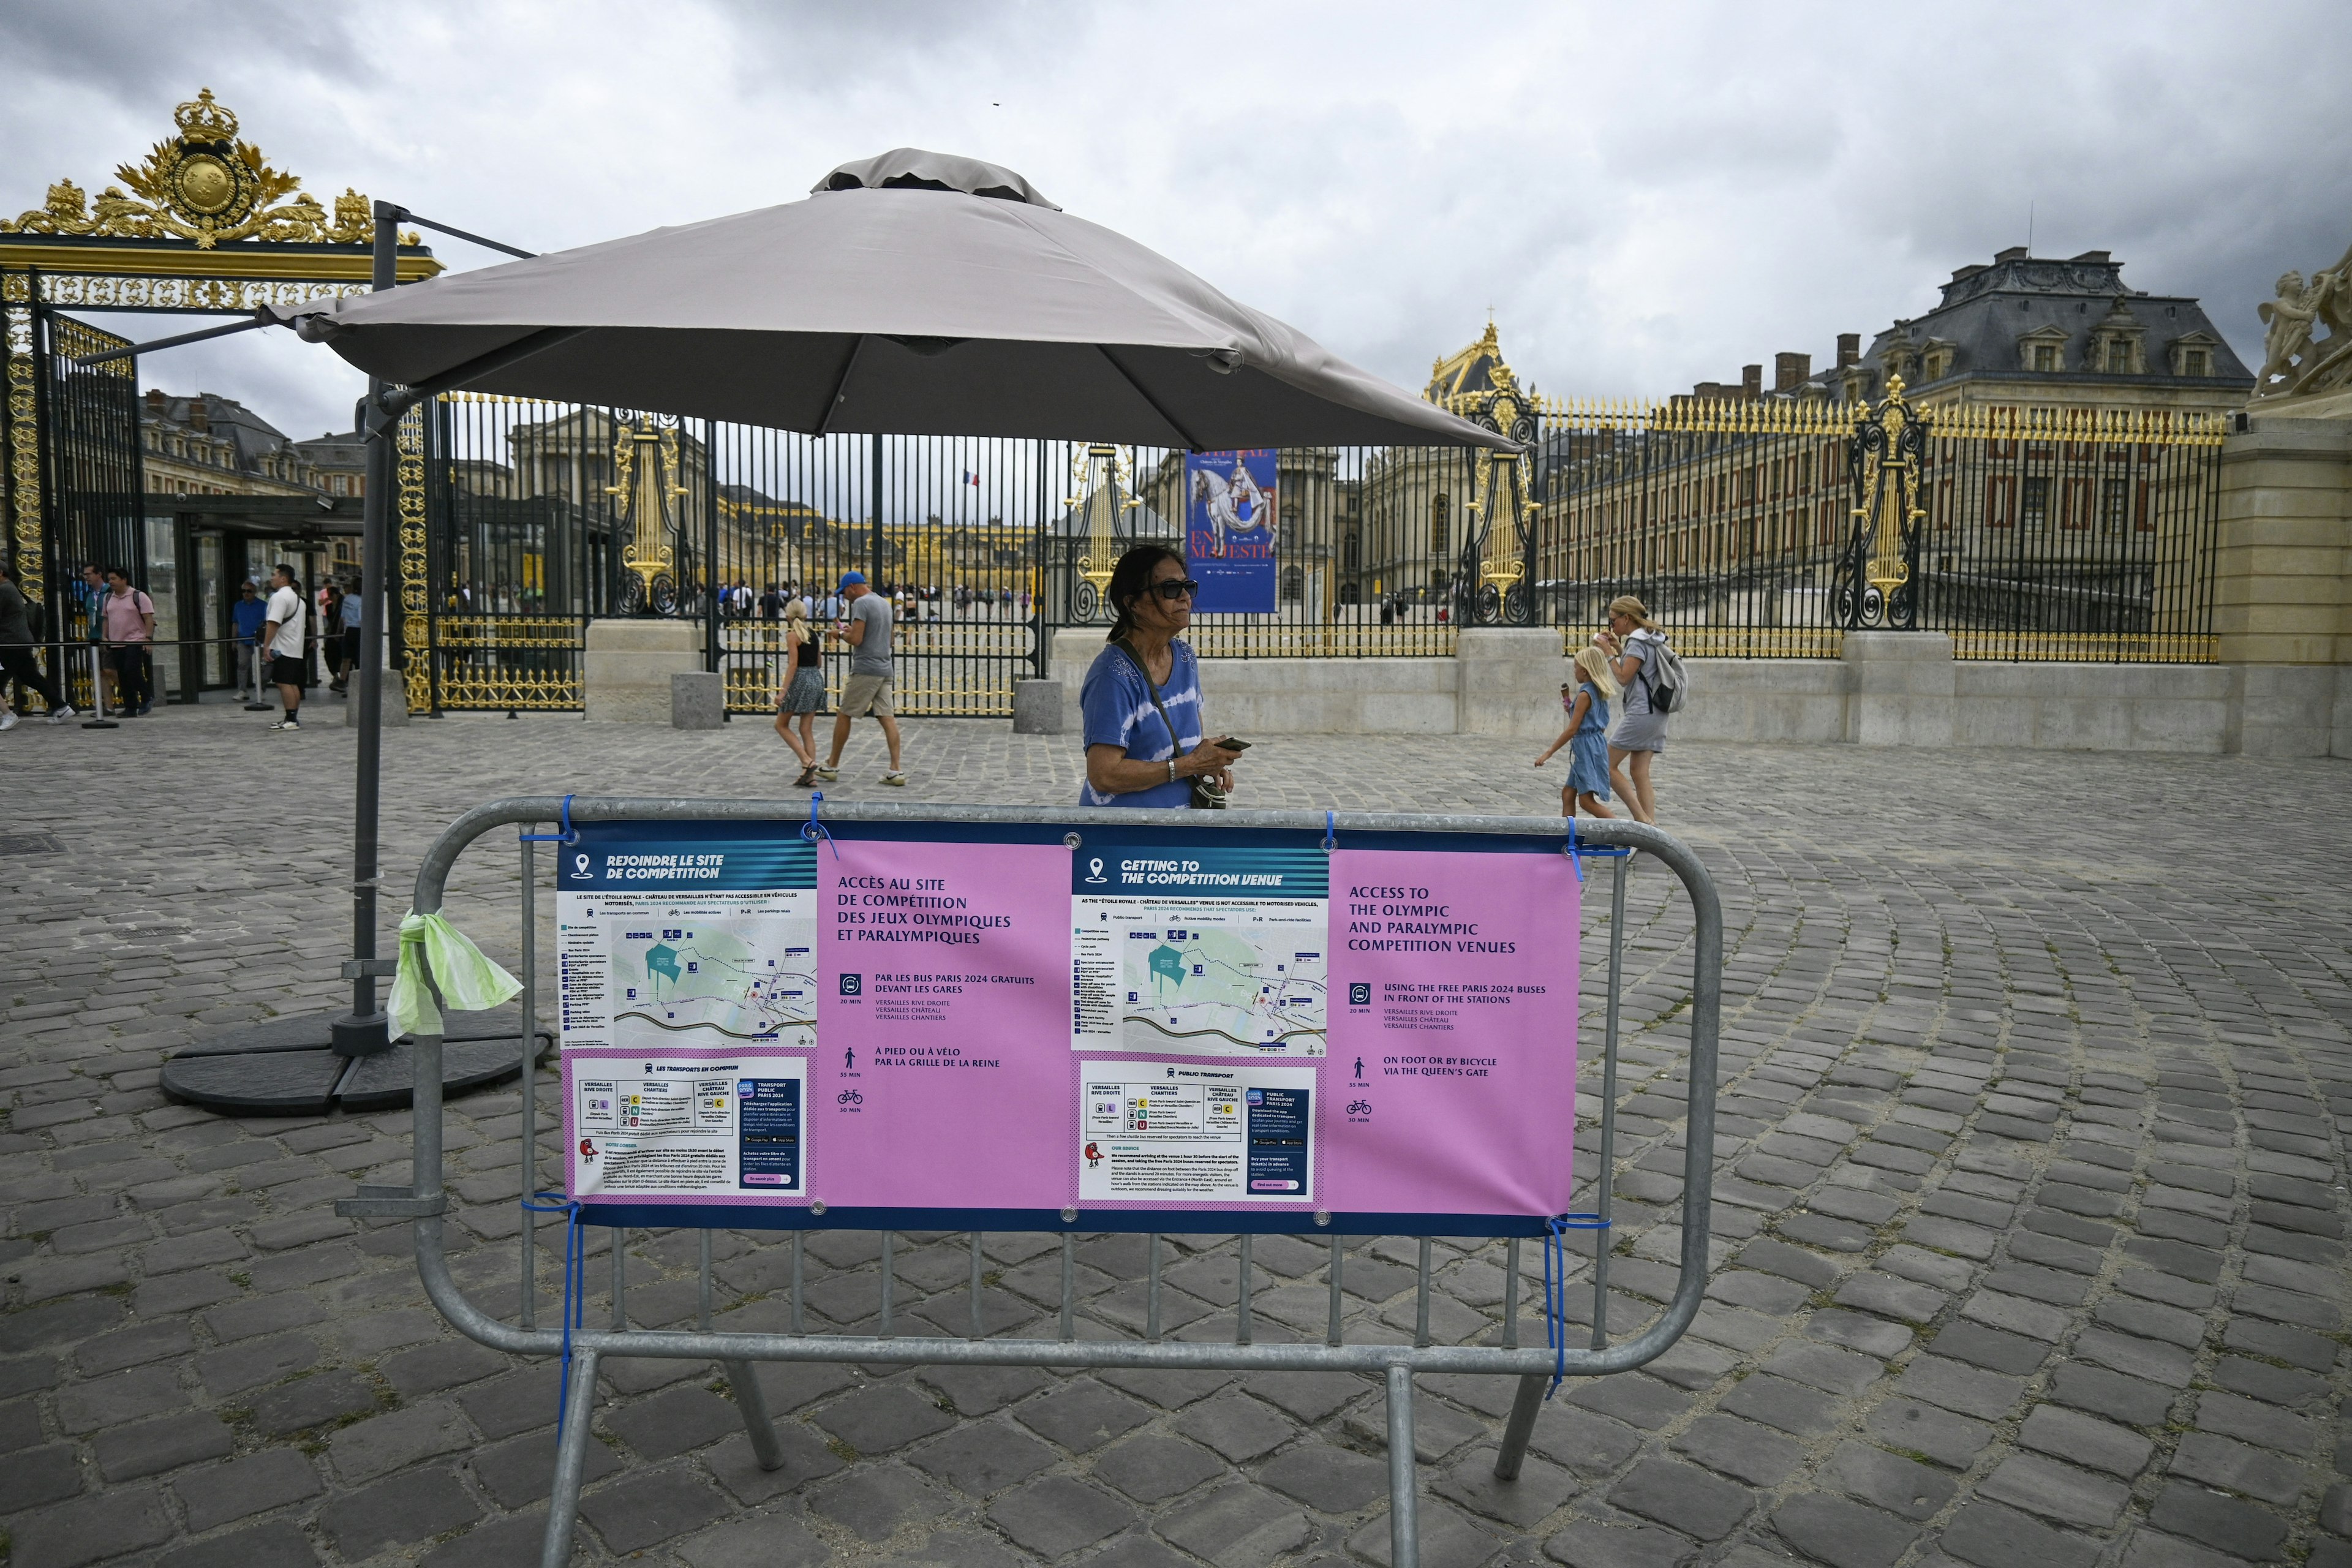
940,1023
1453,1032
1192,1022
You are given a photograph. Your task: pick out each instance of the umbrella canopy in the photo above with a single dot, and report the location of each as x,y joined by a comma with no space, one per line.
915,293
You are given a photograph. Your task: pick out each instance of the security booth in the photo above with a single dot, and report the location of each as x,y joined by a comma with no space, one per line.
202,547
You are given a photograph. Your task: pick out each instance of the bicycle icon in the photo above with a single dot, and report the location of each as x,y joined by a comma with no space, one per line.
1359,1107
849,1097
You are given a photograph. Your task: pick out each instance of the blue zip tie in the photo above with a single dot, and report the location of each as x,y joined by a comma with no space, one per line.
1330,837
570,835
813,830
1575,855
575,1283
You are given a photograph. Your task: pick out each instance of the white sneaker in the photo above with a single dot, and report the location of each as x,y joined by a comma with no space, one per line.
7,721
59,715
288,724
895,778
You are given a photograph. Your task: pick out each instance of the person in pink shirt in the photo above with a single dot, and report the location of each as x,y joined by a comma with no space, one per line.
130,617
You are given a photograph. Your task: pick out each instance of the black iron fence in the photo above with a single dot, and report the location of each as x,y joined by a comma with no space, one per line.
541,517
1762,529
1769,530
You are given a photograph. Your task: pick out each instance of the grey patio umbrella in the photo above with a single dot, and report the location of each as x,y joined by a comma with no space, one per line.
914,293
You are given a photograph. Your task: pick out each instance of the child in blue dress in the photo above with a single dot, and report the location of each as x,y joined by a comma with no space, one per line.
1587,735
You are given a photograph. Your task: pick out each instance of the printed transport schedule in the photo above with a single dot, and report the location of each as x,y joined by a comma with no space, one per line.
701,1125
1200,950
1239,1134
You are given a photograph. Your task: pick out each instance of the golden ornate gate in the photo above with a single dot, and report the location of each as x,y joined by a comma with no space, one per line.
204,224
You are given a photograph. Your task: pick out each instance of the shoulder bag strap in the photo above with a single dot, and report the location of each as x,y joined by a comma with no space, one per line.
1128,649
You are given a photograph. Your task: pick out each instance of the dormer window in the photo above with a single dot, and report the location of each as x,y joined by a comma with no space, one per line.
2043,350
2194,353
2118,344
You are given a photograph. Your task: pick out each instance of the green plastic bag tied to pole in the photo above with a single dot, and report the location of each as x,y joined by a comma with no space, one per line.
470,983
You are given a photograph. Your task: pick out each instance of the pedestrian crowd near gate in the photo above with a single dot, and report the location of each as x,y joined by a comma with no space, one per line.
283,637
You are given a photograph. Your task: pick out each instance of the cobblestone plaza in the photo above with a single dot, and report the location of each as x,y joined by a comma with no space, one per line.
2029,1197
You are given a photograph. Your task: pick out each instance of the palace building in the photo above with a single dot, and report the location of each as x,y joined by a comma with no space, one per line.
2026,331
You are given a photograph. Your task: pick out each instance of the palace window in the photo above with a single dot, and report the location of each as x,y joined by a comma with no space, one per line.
2045,356
2034,509
2196,361
2119,357
2115,505
1441,525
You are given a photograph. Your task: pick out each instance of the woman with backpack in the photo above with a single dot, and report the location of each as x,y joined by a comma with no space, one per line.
1639,657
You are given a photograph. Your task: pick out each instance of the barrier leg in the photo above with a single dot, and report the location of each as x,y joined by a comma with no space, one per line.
1525,1406
1242,1325
571,1463
1511,1294
1151,1287
1331,1331
753,1401
1420,1298
1404,1505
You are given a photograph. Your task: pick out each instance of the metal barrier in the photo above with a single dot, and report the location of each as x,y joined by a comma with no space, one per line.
424,1201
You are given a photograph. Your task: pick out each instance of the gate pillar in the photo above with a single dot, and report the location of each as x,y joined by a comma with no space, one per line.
627,669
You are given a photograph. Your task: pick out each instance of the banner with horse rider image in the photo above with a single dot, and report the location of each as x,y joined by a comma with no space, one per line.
1229,529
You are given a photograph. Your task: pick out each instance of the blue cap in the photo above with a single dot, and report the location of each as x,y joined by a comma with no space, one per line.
849,577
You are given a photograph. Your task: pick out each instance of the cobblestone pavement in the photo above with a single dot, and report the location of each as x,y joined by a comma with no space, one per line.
2028,1239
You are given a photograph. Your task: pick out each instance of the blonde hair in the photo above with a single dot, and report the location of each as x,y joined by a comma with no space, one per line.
1593,665
794,610
1634,610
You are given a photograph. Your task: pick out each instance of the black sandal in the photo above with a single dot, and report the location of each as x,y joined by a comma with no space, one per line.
807,778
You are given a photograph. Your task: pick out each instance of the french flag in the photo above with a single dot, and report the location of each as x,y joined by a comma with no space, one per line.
970,477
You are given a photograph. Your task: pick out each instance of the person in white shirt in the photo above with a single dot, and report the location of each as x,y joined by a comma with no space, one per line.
281,633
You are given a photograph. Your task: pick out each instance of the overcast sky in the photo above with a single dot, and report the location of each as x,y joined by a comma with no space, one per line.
1645,197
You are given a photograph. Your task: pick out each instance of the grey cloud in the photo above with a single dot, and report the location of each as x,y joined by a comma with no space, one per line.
1646,197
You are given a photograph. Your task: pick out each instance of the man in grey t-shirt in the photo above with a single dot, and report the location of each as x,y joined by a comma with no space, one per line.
865,627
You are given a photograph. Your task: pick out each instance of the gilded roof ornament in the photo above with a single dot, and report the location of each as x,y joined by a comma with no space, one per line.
206,185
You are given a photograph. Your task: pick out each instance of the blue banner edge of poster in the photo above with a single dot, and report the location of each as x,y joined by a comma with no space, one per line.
1168,1222
1104,829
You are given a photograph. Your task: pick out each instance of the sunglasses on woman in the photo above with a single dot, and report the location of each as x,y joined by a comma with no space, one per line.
1184,588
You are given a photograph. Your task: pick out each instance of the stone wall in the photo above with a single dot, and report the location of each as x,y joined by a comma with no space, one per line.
1892,689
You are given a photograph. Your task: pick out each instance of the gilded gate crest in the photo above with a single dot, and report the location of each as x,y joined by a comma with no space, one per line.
206,185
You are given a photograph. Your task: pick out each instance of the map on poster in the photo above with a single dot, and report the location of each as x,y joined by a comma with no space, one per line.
1187,1132
693,979
688,943
1201,951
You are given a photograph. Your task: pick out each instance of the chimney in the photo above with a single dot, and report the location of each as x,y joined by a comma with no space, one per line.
1791,370
1751,380
198,417
155,401
2014,253
1849,349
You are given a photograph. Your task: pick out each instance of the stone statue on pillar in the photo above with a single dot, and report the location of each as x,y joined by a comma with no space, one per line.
2297,362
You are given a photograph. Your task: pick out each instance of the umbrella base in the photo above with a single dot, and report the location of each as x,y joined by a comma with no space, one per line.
287,1067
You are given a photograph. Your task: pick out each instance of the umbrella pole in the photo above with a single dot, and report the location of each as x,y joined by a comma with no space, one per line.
365,1031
